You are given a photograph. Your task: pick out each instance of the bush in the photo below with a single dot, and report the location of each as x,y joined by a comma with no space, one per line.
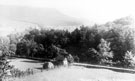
18,73
129,60
92,55
76,58
70,58
105,53
4,65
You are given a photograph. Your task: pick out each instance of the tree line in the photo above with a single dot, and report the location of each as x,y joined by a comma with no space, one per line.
111,43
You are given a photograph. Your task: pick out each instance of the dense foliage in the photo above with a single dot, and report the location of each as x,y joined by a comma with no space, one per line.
103,44
4,64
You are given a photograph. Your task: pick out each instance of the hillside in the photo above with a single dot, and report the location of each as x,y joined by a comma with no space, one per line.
18,18
42,16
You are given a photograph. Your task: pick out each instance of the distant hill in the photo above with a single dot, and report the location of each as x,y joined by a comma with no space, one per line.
18,18
42,16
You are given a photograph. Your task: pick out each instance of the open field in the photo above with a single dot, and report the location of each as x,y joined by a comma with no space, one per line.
24,64
72,73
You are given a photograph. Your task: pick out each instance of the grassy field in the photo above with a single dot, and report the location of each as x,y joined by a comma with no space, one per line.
72,73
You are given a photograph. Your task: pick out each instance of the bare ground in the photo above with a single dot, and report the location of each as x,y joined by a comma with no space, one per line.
72,73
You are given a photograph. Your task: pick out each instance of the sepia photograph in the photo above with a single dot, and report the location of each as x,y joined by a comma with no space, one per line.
67,40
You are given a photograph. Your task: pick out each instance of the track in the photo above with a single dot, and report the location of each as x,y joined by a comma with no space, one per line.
105,67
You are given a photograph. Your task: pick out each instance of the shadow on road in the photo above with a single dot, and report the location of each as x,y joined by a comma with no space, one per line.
39,68
113,69
31,61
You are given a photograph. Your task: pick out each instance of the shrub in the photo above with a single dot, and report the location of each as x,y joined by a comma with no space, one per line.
4,65
92,55
18,73
105,52
70,58
76,58
129,60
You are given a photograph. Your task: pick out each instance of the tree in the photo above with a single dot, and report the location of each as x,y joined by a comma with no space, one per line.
105,52
12,49
21,48
4,65
129,60
92,56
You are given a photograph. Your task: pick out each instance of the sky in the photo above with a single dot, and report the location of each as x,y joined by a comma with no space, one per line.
99,11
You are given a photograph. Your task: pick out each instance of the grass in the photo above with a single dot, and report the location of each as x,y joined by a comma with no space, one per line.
72,73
